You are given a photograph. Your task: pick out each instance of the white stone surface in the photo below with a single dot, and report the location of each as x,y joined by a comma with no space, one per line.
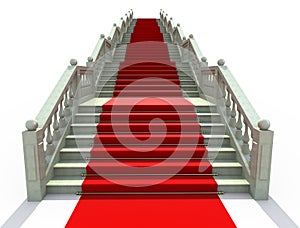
244,211
51,213
199,101
247,213
96,102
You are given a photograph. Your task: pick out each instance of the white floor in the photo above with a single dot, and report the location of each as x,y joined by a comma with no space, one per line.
55,210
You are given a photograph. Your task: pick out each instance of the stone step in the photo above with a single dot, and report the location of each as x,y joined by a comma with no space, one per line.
112,87
173,53
128,34
95,118
114,71
76,168
91,128
95,106
71,186
114,77
110,94
116,65
88,140
102,82
216,154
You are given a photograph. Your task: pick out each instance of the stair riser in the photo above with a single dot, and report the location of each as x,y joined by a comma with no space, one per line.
228,171
128,40
74,155
224,171
184,80
88,142
116,65
187,88
128,33
93,119
92,130
217,156
114,72
74,189
190,94
119,59
106,82
98,109
234,189
187,82
69,171
120,51
63,189
111,94
125,82
127,37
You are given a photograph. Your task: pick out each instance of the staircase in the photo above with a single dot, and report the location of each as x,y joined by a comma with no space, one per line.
70,171
61,144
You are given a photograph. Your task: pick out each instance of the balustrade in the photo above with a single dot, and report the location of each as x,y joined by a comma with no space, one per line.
45,136
220,86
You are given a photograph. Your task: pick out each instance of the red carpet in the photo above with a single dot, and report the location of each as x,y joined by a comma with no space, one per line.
150,211
141,173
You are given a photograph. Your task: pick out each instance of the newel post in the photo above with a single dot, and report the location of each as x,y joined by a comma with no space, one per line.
260,161
35,162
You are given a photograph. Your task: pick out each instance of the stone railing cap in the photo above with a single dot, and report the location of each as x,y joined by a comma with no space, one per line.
221,62
204,59
31,125
73,62
264,124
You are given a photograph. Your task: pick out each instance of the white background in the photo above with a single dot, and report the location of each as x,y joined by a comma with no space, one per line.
259,41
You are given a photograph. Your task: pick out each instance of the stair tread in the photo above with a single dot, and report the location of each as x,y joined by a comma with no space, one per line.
220,182
89,136
128,86
88,149
95,124
198,102
80,164
99,113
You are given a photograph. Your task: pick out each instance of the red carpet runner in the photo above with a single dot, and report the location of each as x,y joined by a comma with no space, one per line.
141,173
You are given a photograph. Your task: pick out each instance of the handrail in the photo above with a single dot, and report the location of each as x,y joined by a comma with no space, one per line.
221,85
124,23
45,136
43,118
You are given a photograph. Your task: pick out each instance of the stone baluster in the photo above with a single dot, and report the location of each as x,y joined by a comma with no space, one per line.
55,125
62,121
88,78
239,125
221,94
71,96
84,80
223,91
245,145
232,122
50,146
80,76
67,105
228,104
